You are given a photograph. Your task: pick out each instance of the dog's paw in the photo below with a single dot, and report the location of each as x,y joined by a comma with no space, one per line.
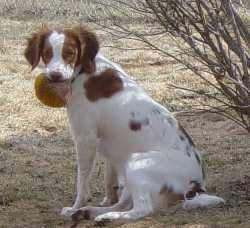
68,211
80,214
101,221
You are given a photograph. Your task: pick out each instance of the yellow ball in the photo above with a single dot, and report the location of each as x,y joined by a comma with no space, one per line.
45,92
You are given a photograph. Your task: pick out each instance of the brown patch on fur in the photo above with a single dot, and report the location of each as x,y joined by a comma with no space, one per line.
71,49
195,189
135,125
89,47
35,46
104,85
170,197
186,134
47,53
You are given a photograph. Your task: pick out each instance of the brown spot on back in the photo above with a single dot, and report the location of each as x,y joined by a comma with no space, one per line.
104,85
134,125
170,197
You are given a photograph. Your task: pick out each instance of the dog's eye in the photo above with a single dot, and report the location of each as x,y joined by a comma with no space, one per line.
70,53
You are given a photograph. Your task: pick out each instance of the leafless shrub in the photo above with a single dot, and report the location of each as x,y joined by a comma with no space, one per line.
211,40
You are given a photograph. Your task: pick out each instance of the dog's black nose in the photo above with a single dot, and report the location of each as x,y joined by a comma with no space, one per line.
55,76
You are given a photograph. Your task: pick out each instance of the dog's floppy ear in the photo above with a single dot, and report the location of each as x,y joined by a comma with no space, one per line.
34,46
89,47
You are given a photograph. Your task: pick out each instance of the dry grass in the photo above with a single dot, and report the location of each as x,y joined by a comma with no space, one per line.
37,165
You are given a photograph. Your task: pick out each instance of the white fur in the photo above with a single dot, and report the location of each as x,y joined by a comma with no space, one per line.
145,160
159,154
57,64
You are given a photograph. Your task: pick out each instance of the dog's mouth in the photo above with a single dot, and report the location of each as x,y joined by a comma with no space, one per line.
62,89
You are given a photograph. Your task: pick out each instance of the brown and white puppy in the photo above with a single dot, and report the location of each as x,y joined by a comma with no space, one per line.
67,54
155,160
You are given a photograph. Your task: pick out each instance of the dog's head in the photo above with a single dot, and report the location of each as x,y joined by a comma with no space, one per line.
64,53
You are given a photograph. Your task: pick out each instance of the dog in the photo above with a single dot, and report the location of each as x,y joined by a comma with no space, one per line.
152,160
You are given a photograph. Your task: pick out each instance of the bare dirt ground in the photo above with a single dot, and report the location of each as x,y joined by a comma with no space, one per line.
37,157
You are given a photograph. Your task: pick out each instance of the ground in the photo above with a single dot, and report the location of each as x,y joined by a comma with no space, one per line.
37,156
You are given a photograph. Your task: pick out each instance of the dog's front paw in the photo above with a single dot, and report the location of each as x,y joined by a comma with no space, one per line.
82,213
68,211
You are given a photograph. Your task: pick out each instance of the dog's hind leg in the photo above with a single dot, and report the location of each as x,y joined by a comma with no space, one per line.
142,189
142,206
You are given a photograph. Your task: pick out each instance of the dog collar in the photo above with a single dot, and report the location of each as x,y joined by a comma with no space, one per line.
75,75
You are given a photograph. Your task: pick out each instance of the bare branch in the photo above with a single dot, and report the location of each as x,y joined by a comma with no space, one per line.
209,37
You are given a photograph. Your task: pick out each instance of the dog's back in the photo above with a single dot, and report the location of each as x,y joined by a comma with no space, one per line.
132,122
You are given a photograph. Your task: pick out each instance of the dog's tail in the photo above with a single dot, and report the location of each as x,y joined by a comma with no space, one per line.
202,200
